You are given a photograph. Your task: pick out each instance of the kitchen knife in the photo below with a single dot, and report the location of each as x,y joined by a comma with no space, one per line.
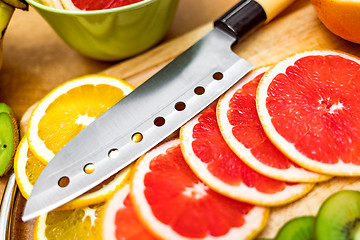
152,111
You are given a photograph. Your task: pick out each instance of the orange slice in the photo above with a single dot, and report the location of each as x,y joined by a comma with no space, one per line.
119,220
68,109
27,169
220,168
307,105
77,224
242,131
174,204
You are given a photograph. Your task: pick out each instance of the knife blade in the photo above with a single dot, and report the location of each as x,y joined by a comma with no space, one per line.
153,111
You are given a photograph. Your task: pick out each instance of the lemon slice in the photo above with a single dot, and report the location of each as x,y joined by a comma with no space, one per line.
27,169
81,223
68,109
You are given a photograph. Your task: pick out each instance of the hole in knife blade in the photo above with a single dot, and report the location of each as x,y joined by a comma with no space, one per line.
159,121
218,76
89,168
180,106
63,181
113,153
199,90
137,137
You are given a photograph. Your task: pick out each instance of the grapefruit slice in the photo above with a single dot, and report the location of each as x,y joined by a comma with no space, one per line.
220,168
85,5
242,131
308,107
119,220
174,204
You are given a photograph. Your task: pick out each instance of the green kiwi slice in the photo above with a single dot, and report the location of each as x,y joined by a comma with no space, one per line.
7,143
5,108
339,217
300,228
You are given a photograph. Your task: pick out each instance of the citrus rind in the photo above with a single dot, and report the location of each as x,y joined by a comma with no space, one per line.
19,168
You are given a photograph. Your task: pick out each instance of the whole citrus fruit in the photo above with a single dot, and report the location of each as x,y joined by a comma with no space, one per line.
341,17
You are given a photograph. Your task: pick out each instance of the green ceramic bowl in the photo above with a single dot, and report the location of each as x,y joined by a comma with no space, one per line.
111,34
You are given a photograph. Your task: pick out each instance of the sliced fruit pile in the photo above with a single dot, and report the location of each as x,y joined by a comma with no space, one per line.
86,5
264,143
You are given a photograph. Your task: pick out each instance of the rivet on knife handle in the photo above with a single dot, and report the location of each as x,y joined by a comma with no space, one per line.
154,110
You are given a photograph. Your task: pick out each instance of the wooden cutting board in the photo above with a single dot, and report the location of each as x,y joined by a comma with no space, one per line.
297,29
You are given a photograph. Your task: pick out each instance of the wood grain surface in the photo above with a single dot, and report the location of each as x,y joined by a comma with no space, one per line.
297,29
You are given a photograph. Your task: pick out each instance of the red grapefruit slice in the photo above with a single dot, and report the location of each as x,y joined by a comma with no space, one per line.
242,131
308,107
220,168
119,221
174,204
86,5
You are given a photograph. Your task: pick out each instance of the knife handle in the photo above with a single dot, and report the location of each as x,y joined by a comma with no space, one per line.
247,15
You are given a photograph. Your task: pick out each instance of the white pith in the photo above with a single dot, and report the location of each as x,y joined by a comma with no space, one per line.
90,213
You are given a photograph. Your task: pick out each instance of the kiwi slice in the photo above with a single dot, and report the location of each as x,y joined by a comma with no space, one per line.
8,142
339,217
5,108
300,228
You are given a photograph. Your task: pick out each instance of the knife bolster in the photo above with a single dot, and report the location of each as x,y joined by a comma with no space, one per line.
241,19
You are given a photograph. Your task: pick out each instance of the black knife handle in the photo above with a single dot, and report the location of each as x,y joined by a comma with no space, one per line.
245,16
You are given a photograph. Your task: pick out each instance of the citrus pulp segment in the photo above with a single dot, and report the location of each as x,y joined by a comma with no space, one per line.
27,169
307,105
174,204
212,160
77,224
119,220
241,128
68,109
